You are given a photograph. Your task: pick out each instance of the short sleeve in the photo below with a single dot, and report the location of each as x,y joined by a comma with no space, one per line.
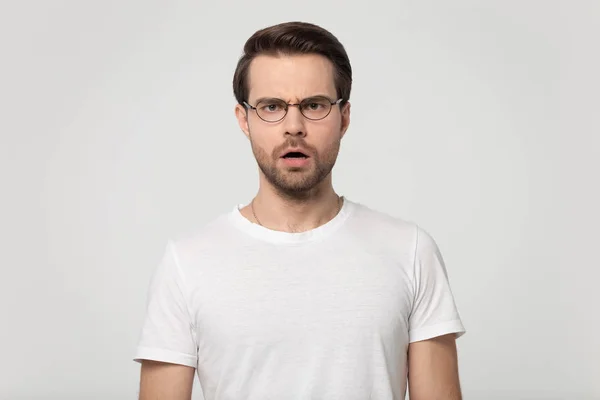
434,312
168,334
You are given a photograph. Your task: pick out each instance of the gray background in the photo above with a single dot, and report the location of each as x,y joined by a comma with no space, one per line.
477,119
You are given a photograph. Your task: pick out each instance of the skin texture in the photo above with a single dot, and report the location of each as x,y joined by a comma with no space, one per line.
433,369
293,199
163,381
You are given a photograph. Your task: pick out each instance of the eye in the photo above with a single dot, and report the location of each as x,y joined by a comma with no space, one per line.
271,107
315,104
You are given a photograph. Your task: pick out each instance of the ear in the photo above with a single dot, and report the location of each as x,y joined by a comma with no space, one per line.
345,118
242,116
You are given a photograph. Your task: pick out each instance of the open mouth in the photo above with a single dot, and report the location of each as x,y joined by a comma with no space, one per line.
294,154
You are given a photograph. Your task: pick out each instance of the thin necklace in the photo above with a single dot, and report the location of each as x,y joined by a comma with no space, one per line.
257,220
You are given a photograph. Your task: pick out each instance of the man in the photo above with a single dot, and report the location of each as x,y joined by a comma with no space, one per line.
302,293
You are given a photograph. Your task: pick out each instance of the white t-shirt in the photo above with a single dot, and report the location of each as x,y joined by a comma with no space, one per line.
322,314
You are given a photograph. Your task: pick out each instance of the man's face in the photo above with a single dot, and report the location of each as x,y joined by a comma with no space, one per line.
293,79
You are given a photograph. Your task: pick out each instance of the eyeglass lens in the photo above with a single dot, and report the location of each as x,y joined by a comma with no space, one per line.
314,108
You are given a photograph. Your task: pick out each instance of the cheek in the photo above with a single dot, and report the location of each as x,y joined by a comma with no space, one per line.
327,136
264,140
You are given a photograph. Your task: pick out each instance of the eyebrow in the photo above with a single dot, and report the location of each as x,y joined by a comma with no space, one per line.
261,99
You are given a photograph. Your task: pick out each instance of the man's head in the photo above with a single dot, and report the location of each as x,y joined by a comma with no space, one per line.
294,63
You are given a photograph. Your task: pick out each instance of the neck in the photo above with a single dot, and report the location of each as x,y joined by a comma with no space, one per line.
283,212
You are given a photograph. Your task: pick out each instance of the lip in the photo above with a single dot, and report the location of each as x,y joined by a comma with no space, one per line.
295,150
295,162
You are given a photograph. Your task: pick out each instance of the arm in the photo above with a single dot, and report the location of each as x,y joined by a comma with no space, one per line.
167,349
433,369
434,326
164,381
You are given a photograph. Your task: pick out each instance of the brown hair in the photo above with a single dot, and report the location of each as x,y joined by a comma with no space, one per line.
291,38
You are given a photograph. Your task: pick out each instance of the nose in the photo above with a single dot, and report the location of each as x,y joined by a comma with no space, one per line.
294,122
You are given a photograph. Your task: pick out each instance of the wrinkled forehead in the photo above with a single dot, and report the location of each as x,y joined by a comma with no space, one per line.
291,78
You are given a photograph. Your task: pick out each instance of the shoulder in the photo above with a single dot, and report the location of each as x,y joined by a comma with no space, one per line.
373,221
213,236
372,225
384,230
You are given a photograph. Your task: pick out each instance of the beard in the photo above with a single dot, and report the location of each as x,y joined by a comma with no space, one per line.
296,182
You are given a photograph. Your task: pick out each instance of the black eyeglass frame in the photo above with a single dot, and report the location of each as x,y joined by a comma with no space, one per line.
288,105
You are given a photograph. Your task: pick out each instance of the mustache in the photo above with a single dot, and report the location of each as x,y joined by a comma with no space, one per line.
293,142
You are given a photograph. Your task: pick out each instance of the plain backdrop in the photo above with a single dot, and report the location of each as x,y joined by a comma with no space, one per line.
479,120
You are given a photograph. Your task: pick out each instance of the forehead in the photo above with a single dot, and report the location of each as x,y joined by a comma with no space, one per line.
290,78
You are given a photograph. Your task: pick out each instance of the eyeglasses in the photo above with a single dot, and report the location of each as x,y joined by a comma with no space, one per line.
313,108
